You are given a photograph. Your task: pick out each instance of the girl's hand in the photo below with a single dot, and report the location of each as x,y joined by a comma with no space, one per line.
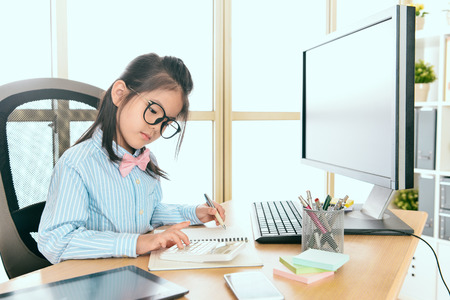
205,213
166,239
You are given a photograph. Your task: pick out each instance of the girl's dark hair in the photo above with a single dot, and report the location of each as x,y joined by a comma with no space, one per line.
145,73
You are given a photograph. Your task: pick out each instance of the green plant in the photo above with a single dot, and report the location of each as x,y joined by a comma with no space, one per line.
407,199
424,72
419,10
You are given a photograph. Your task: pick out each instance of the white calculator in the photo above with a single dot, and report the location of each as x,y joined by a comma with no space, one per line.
204,251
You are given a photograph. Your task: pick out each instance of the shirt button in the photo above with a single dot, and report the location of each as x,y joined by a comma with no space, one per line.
138,181
141,211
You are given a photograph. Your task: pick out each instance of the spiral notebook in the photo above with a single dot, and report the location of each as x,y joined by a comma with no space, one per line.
248,257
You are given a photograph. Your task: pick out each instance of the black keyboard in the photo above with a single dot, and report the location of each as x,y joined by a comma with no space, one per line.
276,222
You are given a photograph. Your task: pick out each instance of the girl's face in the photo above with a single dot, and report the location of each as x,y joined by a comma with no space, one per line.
132,130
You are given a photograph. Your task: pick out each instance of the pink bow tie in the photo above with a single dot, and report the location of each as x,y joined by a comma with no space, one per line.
129,162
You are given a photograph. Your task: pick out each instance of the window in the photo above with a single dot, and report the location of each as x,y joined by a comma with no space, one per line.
268,37
26,44
352,11
103,39
246,99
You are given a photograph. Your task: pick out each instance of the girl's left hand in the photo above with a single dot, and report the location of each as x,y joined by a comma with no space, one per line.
205,213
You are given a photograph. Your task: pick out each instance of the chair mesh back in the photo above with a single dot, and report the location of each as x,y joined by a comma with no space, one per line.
33,131
39,119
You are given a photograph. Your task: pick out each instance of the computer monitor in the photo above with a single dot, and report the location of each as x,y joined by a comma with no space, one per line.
358,111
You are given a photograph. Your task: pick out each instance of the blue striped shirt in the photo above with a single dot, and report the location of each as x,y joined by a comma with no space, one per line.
92,211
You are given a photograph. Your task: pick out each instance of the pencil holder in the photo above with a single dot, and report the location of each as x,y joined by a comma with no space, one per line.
323,230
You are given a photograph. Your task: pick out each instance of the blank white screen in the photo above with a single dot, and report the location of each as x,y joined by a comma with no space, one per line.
350,101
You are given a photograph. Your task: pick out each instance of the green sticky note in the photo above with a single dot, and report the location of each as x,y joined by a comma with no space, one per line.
299,269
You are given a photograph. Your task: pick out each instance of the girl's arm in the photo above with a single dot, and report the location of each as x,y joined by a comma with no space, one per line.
166,214
62,232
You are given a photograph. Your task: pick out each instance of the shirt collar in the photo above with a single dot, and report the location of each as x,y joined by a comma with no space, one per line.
97,138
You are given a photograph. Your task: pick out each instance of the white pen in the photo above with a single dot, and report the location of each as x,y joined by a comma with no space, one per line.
217,215
345,199
309,198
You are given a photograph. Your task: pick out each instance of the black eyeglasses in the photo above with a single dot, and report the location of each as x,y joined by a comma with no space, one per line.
155,114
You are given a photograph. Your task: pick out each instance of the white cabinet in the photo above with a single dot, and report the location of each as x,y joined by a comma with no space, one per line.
444,260
420,282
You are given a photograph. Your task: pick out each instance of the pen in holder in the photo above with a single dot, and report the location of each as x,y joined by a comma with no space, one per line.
323,230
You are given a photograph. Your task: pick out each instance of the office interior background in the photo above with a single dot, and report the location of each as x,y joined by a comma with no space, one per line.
243,138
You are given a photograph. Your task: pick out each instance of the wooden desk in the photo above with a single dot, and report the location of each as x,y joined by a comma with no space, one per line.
376,270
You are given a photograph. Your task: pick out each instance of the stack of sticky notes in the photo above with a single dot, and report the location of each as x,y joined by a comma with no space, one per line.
288,269
321,259
310,266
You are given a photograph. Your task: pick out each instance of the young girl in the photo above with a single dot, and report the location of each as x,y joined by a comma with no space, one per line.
105,192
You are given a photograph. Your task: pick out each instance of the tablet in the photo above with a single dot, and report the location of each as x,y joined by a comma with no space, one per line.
128,282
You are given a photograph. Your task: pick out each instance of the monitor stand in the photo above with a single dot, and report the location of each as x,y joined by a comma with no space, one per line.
373,217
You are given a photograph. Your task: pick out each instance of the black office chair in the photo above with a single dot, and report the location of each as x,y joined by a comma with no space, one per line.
39,120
